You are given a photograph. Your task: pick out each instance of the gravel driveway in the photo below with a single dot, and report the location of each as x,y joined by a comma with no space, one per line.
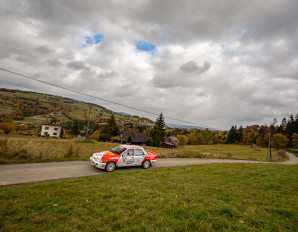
25,173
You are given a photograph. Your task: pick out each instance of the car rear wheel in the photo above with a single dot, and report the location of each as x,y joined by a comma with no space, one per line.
110,167
146,164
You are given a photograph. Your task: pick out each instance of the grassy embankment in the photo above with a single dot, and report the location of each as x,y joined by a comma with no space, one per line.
218,197
76,109
21,149
294,151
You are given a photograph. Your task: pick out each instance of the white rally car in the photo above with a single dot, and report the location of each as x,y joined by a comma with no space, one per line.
123,156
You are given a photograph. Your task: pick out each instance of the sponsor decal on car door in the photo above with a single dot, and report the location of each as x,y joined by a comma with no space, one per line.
127,158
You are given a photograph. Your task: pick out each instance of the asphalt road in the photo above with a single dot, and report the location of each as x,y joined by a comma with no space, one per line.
26,173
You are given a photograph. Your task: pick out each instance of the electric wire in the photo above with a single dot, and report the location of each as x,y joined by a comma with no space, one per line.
105,100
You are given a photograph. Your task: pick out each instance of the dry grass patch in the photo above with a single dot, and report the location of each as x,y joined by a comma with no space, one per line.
24,150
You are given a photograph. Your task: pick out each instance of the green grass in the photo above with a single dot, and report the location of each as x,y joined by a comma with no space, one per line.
233,151
25,149
218,197
220,151
6,109
42,119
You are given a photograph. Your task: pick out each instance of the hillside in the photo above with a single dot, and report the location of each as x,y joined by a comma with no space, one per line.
37,108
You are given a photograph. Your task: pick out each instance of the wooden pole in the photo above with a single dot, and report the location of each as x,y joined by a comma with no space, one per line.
269,145
88,123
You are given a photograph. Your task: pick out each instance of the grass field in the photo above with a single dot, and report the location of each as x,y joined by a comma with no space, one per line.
22,149
218,197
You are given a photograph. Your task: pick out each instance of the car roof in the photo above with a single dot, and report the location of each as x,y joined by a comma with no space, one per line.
131,146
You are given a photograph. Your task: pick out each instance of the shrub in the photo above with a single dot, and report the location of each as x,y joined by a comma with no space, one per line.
7,127
279,140
69,151
295,140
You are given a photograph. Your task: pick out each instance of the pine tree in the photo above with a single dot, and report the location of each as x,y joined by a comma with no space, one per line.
282,127
158,133
75,129
232,136
110,129
290,129
129,139
239,135
160,125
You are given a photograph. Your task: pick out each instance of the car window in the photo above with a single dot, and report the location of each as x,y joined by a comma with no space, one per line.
118,150
139,152
130,152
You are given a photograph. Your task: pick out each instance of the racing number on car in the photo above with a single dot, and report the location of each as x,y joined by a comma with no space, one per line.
128,158
130,161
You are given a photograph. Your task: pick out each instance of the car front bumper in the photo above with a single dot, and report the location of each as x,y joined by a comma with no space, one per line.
97,163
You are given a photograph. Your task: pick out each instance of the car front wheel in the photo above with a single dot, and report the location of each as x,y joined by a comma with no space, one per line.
146,164
110,167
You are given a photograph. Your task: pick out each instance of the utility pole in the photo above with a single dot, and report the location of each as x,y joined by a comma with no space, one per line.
88,123
269,147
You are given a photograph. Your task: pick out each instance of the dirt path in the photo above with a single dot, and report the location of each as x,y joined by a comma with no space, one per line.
25,173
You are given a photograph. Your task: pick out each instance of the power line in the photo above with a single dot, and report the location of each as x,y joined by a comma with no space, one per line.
102,99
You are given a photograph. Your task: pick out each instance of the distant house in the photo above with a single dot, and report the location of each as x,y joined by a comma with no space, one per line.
171,142
136,138
50,130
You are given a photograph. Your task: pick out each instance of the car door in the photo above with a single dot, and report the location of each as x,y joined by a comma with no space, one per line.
127,158
139,156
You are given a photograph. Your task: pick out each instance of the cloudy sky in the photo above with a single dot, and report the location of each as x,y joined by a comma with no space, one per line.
214,63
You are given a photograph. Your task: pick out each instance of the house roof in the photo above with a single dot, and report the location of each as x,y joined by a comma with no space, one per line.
172,140
135,136
51,125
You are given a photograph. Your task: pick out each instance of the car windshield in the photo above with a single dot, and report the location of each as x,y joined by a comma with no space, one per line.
118,150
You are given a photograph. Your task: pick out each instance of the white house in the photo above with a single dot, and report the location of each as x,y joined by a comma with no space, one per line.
49,130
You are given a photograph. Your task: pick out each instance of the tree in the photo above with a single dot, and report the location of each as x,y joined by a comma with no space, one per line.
205,137
160,127
110,129
129,139
290,128
158,133
182,139
239,135
94,135
232,136
75,129
263,136
251,138
115,139
7,127
279,140
54,121
282,127
295,140
192,138
22,128
149,141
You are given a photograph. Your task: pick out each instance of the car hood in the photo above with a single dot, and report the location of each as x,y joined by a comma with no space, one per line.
107,153
98,155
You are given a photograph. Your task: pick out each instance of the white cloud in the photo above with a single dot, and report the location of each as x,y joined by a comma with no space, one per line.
214,64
